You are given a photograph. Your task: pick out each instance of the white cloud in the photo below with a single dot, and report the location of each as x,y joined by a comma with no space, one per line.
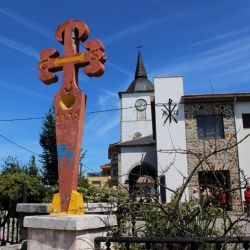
219,37
217,58
129,31
118,68
26,50
109,100
111,93
22,90
103,100
93,120
28,23
106,121
170,15
109,125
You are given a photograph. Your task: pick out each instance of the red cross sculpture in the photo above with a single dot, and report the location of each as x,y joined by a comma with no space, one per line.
70,105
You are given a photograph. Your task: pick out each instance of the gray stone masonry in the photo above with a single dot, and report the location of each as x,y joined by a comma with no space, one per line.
201,148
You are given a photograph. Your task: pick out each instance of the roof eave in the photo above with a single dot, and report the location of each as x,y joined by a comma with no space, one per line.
126,92
230,97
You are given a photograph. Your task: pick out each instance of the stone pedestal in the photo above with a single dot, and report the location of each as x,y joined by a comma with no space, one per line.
47,232
32,209
44,208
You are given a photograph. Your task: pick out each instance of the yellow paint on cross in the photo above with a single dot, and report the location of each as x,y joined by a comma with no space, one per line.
63,60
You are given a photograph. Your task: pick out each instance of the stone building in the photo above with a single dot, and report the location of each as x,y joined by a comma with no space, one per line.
174,138
210,127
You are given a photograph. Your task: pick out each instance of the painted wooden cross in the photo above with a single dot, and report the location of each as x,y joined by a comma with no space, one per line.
70,105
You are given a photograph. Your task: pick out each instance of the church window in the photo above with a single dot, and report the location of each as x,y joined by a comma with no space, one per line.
210,126
246,120
141,115
213,184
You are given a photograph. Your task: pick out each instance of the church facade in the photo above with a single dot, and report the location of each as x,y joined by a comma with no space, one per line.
169,140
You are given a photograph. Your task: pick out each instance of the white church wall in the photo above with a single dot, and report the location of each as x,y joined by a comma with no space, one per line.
243,147
133,156
170,136
129,122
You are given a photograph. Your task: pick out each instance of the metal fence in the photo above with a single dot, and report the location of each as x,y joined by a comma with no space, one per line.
9,228
170,243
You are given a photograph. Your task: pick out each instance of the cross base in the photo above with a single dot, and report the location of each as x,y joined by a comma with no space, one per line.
76,206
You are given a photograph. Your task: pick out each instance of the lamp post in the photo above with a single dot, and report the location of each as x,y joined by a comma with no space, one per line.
247,197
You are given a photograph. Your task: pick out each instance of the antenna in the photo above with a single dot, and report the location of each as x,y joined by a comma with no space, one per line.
211,86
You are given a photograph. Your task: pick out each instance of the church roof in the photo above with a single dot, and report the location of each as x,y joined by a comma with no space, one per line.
141,82
143,141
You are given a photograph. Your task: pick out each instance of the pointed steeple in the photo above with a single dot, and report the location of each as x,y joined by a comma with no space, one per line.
141,82
140,69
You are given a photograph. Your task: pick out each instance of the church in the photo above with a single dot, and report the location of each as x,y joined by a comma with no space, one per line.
194,144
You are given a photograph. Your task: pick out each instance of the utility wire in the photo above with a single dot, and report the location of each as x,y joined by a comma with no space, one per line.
12,142
107,110
42,117
21,119
5,138
39,118
87,113
92,170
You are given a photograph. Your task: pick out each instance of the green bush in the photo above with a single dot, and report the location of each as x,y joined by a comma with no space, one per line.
14,185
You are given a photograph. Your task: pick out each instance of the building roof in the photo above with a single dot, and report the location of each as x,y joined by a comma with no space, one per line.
143,141
141,82
225,97
106,166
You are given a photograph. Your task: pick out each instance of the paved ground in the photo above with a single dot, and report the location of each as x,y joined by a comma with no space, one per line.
9,247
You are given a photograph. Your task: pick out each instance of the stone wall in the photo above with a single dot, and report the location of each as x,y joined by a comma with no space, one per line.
202,149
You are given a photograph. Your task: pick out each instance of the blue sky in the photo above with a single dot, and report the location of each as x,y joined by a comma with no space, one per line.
203,41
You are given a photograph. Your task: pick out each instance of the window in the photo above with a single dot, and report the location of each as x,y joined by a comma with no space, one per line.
213,184
141,115
114,157
96,183
115,172
210,126
246,120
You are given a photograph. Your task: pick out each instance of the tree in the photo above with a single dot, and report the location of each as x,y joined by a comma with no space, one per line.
204,216
49,154
11,165
14,186
19,183
32,168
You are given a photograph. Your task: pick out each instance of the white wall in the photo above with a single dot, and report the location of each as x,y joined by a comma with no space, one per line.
129,123
170,136
132,157
243,147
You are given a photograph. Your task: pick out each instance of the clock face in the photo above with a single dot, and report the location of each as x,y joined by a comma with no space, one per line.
140,104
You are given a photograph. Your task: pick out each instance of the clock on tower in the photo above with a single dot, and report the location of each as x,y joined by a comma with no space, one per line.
140,104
